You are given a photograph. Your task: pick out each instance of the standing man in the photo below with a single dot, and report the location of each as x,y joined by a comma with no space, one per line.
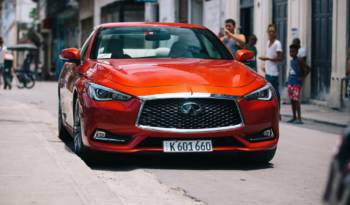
232,40
2,57
274,55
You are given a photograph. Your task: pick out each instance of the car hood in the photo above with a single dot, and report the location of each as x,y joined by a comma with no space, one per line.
173,72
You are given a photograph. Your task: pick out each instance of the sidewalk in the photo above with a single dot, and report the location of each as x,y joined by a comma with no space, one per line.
37,168
318,114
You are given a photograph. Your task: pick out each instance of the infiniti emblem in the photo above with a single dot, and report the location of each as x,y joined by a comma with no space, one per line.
190,108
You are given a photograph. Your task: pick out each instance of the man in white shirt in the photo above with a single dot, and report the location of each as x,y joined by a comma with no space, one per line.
274,55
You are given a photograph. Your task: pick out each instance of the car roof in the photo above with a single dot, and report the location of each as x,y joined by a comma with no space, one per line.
127,24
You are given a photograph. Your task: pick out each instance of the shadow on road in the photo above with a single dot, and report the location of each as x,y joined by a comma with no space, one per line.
178,162
127,162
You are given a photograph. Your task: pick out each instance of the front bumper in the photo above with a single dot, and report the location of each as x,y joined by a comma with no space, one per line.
119,119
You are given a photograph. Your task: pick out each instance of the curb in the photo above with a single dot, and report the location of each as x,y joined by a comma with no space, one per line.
319,121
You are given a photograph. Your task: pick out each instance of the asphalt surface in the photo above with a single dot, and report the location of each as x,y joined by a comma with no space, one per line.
297,174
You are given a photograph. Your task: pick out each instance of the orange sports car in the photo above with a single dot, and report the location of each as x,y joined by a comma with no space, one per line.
167,88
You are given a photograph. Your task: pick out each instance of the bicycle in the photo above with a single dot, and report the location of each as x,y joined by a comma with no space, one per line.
25,79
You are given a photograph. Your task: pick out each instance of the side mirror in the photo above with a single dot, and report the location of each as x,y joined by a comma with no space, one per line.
70,55
244,55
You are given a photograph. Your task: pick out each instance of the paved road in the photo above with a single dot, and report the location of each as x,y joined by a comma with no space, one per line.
296,175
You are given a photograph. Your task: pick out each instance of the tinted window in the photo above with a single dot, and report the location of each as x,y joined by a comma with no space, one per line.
85,47
157,42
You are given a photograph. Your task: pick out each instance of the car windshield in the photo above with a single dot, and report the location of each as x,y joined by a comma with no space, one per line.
157,42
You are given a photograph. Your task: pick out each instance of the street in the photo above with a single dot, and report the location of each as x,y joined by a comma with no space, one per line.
38,168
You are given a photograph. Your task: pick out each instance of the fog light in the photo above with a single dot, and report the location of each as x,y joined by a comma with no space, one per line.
262,136
99,135
268,133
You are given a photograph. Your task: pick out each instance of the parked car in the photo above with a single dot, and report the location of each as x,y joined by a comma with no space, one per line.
167,88
338,185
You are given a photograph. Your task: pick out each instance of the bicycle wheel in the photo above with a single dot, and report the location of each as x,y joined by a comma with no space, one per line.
30,81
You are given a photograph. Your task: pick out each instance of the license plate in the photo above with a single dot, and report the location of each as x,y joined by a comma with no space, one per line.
187,146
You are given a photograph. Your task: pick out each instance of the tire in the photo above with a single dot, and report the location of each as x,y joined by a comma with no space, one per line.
78,145
30,81
63,134
259,157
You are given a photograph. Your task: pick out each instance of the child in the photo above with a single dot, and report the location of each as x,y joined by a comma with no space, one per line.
294,84
251,46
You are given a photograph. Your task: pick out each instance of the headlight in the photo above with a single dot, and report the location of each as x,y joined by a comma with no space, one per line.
102,93
264,93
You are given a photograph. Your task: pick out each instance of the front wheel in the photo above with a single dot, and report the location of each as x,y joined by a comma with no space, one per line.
63,134
79,147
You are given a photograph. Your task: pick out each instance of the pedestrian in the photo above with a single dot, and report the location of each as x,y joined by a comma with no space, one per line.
274,55
302,51
232,40
251,46
2,56
8,70
348,77
297,73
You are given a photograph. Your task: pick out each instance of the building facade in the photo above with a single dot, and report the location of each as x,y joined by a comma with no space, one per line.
318,23
15,19
16,22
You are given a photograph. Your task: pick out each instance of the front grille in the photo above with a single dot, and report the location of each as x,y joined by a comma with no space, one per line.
157,142
168,113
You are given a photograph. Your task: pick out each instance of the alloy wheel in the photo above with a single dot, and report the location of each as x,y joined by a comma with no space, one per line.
77,139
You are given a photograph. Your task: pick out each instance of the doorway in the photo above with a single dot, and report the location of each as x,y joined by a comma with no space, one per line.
321,48
280,17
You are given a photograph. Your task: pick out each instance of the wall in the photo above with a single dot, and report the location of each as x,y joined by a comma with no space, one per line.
150,12
167,10
97,10
262,18
8,22
339,52
86,12
232,8
23,9
212,15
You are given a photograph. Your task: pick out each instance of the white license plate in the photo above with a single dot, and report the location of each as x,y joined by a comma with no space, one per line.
187,146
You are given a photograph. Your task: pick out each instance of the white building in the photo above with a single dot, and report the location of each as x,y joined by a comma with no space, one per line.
15,22
15,19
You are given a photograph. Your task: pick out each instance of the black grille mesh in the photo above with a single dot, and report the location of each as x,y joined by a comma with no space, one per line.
166,113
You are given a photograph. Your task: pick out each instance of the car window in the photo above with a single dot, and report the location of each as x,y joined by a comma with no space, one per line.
85,47
157,42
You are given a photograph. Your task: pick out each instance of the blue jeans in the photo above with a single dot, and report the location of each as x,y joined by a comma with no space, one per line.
274,82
